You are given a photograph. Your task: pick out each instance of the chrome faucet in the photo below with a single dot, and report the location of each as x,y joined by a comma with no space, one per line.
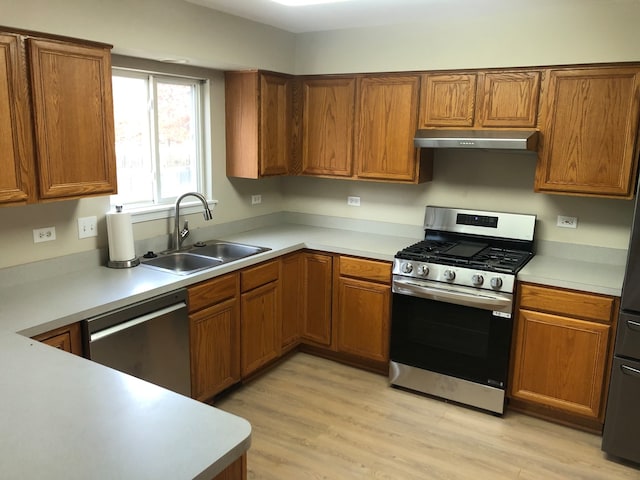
178,234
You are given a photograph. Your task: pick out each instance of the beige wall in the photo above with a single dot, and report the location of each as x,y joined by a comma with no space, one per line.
517,33
155,29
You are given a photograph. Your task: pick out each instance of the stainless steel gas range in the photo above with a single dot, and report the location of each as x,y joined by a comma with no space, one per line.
453,305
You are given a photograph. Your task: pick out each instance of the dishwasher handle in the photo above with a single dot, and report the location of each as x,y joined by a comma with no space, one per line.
135,321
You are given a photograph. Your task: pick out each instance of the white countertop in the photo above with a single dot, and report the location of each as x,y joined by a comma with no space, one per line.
64,417
574,274
67,417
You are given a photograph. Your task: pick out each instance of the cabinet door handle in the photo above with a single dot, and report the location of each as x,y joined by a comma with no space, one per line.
630,371
633,325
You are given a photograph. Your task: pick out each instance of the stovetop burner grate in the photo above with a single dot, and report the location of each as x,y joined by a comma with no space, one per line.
488,258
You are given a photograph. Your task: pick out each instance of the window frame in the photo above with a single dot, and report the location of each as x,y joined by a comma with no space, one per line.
141,68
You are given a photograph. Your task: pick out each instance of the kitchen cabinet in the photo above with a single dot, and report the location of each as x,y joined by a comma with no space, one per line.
260,317
317,276
67,338
16,142
327,125
236,471
362,127
258,124
214,323
292,300
363,309
562,353
62,146
481,99
589,128
385,125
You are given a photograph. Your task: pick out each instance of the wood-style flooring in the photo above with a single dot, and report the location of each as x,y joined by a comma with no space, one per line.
316,419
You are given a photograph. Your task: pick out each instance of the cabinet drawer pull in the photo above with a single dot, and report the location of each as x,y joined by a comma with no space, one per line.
633,325
630,371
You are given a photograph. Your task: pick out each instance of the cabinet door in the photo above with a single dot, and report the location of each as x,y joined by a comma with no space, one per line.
260,327
73,112
386,120
292,299
509,99
560,362
215,349
317,277
274,130
363,318
68,338
16,152
327,131
589,126
448,100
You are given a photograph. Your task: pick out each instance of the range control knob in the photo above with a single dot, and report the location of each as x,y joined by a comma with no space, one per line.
449,275
406,268
496,282
423,270
477,280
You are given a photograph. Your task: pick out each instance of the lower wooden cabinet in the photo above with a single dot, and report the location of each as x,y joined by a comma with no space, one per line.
292,292
316,279
214,323
67,338
562,353
236,471
362,313
260,317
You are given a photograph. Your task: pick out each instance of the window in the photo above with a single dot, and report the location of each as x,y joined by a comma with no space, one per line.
159,138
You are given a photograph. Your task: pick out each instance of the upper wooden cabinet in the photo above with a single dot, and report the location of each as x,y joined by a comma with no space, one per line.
258,123
361,127
327,126
386,121
16,141
60,141
484,99
448,100
589,127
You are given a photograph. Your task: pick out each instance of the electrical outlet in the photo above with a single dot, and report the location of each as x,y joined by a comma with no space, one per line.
46,234
87,227
256,199
353,201
567,222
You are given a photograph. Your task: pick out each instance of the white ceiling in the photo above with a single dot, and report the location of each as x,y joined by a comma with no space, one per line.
367,13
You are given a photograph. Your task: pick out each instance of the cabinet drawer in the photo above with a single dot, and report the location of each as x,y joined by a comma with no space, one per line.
255,276
366,269
567,302
212,291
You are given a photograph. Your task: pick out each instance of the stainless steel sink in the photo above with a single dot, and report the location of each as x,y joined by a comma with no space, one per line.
227,251
181,263
201,256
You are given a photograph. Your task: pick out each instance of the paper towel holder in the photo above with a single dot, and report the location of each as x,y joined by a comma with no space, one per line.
123,263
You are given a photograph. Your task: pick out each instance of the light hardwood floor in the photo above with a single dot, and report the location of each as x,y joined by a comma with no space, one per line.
316,419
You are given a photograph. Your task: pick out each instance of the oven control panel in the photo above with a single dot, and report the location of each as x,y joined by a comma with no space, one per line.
495,281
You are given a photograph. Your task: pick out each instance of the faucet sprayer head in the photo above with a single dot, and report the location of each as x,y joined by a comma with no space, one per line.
207,214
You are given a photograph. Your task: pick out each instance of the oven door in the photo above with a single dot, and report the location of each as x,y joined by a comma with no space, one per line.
455,331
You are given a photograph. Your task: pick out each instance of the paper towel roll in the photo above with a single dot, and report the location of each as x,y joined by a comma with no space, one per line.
120,233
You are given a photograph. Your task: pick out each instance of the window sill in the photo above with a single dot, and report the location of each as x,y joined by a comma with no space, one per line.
159,212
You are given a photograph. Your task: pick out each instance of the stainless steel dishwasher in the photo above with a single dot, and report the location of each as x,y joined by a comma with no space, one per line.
149,340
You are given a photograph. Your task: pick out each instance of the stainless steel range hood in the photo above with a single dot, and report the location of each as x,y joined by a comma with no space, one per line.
494,139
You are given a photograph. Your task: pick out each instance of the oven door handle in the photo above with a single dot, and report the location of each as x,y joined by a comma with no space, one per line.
475,300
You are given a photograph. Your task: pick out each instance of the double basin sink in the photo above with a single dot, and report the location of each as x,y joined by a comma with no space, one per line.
201,256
